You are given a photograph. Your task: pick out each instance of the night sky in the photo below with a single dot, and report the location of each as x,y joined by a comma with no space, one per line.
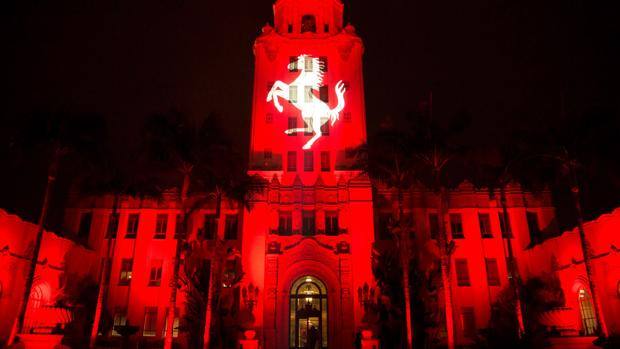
507,63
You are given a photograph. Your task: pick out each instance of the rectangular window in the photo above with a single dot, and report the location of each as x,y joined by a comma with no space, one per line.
155,275
308,161
290,28
505,225
292,67
112,228
126,270
292,94
484,221
331,223
324,93
120,319
161,226
456,225
308,130
175,325
285,223
132,226
468,322
323,59
179,228
231,228
533,227
292,125
150,322
326,28
209,227
462,272
325,126
492,271
86,221
291,161
384,226
308,225
308,95
308,64
325,163
433,225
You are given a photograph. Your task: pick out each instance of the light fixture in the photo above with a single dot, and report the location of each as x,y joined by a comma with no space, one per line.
308,279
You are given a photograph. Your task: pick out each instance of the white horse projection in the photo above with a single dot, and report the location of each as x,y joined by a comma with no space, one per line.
312,108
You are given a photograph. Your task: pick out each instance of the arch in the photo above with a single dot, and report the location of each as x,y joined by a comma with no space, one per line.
308,313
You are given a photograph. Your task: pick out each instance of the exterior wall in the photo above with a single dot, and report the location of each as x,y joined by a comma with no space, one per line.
58,258
144,248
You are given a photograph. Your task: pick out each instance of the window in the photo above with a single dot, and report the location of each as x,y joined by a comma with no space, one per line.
433,225
485,225
384,226
325,164
468,322
308,95
324,93
292,125
231,227
155,275
308,161
132,226
308,24
209,227
492,271
308,223
161,226
331,223
86,221
462,272
290,28
292,67
179,228
323,59
533,227
456,225
150,322
308,62
126,270
120,319
175,324
308,130
112,229
267,154
285,223
325,126
291,161
505,225
326,28
292,94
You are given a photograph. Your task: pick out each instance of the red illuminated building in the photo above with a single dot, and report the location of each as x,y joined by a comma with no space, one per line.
304,250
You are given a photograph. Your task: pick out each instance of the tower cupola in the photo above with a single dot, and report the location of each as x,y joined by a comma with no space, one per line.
308,18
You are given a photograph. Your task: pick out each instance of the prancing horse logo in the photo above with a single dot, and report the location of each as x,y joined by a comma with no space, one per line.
311,107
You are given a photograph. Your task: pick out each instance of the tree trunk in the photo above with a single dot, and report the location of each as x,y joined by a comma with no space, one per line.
23,307
514,278
214,279
174,282
403,247
445,268
587,259
104,280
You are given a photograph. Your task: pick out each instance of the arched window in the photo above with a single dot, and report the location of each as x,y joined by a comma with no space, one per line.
40,295
586,309
308,24
308,314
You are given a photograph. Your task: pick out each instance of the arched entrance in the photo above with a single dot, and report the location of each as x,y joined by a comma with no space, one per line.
586,310
308,314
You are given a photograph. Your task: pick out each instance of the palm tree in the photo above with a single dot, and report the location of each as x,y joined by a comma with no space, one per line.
387,160
59,135
205,159
437,157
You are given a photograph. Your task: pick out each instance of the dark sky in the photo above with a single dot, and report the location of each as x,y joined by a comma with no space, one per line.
505,62
508,63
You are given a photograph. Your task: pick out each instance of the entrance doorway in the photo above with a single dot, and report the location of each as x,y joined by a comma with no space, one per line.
586,309
308,314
